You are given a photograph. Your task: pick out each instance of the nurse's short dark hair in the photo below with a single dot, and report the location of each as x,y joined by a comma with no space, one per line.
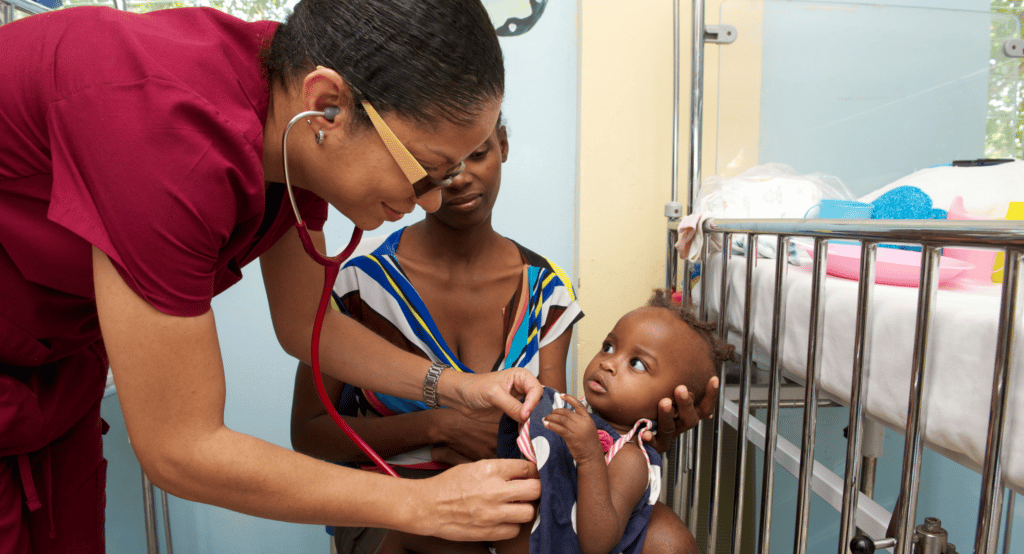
424,60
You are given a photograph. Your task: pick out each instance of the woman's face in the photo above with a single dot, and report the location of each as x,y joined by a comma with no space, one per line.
471,196
354,171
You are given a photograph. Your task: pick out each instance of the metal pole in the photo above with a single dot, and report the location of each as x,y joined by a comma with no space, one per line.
915,428
673,211
774,382
676,42
696,100
167,521
716,449
810,397
992,480
696,451
149,515
743,419
858,386
693,511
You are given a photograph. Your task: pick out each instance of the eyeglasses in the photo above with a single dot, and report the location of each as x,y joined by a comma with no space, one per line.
422,182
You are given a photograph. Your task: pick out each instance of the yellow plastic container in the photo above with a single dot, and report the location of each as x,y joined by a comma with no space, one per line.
1015,212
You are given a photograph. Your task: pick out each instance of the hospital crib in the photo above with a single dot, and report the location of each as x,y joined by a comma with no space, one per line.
862,520
728,501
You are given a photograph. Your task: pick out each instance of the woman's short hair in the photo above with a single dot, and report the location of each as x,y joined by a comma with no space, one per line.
425,60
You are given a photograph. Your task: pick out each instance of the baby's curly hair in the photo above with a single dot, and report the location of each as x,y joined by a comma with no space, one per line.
720,350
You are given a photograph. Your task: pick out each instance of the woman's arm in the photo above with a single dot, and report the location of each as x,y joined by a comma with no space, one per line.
605,494
294,283
552,362
314,431
170,383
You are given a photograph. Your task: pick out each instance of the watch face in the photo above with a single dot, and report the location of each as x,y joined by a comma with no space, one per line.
514,17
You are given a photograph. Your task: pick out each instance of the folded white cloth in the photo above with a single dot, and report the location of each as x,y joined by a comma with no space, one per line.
691,237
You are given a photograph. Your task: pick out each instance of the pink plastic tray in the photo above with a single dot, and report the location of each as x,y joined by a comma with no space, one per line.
892,266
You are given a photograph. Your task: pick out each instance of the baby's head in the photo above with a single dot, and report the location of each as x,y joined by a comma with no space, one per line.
649,352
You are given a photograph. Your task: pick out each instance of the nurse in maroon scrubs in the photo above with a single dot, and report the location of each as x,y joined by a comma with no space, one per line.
141,170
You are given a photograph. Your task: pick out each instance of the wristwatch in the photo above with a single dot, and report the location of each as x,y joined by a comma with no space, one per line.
430,383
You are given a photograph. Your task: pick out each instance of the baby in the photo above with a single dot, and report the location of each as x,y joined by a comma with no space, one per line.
599,481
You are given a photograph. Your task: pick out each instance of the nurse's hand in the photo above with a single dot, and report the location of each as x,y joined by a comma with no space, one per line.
481,501
479,395
685,415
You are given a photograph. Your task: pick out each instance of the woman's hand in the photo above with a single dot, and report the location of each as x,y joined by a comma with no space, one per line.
480,396
673,422
486,500
577,429
463,440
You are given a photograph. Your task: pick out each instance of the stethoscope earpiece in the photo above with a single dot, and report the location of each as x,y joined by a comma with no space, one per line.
331,267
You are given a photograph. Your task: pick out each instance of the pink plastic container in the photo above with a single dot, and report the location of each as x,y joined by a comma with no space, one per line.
982,259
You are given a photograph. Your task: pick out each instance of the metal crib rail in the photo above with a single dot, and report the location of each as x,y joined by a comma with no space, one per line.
931,235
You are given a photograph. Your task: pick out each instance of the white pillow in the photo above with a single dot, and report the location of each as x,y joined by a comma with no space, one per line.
987,190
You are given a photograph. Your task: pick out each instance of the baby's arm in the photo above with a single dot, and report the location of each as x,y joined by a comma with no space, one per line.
606,494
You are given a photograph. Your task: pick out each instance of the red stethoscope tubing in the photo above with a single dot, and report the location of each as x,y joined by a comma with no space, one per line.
331,268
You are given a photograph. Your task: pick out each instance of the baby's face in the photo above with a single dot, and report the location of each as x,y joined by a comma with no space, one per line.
641,361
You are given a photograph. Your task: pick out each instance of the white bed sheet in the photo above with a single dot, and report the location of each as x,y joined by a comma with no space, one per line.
960,366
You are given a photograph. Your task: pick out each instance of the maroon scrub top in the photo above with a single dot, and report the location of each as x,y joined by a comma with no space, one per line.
141,135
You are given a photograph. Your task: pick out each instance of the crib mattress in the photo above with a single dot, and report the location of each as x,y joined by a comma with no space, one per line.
960,362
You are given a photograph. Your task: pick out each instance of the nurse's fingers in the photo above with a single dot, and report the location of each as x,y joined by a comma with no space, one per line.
525,385
485,500
476,395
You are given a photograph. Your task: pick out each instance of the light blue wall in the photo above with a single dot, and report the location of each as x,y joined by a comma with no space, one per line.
536,208
872,91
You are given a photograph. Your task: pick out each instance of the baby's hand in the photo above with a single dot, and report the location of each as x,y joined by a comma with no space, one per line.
576,427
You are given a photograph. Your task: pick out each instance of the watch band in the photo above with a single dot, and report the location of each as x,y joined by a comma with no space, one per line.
430,384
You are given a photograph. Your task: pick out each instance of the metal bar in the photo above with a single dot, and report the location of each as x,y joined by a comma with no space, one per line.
788,404
696,101
867,478
810,397
676,42
774,383
149,516
698,463
693,501
167,521
986,539
716,449
997,234
858,386
910,482
671,261
676,463
746,367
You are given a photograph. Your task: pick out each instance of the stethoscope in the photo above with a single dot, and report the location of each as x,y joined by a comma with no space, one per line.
331,267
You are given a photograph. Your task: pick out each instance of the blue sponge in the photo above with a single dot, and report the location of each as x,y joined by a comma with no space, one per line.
905,202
